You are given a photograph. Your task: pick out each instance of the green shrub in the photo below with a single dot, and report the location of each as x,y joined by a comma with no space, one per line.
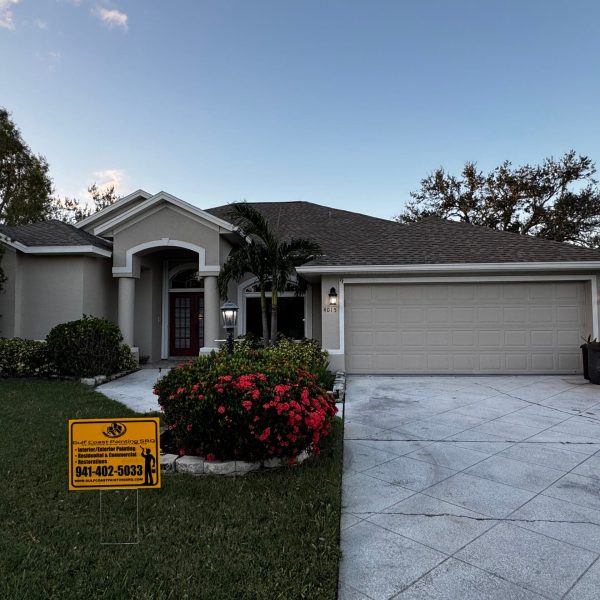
306,354
88,347
246,406
24,358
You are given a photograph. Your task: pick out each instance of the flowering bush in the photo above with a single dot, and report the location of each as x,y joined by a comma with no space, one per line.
247,406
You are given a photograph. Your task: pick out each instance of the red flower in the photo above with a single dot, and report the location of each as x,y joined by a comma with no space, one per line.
210,457
247,404
221,410
189,427
265,434
181,452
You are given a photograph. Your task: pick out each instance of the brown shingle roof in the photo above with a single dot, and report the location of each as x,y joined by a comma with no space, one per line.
349,238
52,233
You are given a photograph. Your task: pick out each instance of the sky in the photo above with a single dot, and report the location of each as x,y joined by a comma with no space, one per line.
344,103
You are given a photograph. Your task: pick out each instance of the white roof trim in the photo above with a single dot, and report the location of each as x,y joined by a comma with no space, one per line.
56,249
453,267
163,196
118,204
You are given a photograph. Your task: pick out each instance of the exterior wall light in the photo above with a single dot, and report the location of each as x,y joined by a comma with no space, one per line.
333,297
229,312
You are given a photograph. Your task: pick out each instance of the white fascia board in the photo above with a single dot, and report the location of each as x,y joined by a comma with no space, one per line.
59,249
163,196
118,204
454,267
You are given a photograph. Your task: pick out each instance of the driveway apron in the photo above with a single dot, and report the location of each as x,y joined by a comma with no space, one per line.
459,487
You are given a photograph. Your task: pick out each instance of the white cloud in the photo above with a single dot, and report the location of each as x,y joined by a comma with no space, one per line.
111,17
6,14
40,24
108,178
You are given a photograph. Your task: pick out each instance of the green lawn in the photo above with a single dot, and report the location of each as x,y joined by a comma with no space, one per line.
267,535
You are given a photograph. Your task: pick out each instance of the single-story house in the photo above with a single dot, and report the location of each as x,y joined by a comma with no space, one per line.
431,297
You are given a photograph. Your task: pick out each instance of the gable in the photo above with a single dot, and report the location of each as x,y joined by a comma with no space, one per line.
162,225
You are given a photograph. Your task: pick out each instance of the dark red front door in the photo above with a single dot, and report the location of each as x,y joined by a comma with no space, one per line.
186,323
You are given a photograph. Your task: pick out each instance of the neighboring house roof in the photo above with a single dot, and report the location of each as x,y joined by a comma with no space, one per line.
349,238
52,233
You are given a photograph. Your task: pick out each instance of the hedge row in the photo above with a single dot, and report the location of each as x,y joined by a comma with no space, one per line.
82,348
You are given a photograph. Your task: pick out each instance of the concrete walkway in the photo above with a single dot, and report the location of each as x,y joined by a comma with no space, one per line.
459,488
135,390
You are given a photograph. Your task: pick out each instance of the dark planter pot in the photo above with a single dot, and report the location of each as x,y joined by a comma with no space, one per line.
584,354
594,362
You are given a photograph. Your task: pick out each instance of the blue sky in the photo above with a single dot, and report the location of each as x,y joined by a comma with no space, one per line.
343,103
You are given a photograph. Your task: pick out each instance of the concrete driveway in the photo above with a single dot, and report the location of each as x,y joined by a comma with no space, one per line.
461,488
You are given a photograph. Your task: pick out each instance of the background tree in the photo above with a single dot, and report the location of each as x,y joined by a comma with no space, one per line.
263,254
72,210
25,186
557,200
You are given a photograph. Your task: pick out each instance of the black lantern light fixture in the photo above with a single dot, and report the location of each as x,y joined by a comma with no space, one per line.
229,312
333,298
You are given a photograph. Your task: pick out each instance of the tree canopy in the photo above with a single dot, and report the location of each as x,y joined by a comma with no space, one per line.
25,186
557,200
72,210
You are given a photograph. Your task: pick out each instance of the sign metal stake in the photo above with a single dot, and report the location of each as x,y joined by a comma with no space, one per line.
137,524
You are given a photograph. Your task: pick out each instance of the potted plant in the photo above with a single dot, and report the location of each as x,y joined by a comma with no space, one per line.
593,361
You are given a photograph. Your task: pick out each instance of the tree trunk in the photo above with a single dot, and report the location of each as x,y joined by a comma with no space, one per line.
265,318
273,316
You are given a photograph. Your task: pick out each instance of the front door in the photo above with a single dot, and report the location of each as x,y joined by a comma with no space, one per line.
186,323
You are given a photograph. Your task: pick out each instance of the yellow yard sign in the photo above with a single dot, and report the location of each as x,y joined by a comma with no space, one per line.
114,453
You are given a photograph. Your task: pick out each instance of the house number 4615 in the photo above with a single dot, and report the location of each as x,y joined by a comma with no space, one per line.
331,309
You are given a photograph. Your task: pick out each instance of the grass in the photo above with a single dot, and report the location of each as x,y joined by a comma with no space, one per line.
267,535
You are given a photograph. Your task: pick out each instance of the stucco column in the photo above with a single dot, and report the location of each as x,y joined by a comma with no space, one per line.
126,308
211,312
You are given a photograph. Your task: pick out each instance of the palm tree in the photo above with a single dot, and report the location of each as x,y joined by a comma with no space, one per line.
270,259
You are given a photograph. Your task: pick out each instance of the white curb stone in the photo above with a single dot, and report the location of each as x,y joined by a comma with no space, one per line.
190,464
167,461
220,468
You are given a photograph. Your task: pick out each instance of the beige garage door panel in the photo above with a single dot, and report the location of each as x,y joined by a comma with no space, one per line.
466,328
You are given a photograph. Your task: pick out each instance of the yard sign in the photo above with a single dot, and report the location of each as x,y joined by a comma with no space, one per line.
114,454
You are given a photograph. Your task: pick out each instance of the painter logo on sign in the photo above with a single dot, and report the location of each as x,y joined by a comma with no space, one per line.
115,430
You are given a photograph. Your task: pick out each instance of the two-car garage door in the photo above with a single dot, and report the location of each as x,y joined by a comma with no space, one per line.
503,327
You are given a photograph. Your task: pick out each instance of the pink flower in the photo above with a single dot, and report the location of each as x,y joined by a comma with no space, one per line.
247,404
181,452
221,410
265,434
189,427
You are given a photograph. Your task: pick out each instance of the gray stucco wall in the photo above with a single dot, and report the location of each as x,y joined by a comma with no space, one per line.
10,297
44,291
167,223
99,288
52,292
148,308
317,309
